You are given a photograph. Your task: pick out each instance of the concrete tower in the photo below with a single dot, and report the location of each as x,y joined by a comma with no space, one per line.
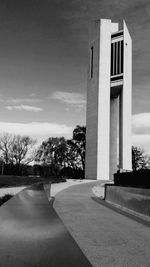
108,100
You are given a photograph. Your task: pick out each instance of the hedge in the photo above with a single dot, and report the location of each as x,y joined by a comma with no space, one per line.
139,178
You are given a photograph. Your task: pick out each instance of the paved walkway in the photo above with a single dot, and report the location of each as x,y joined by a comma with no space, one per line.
106,237
32,234
55,187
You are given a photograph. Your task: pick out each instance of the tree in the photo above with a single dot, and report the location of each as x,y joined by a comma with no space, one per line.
139,159
77,146
52,151
53,155
6,141
16,149
58,155
22,149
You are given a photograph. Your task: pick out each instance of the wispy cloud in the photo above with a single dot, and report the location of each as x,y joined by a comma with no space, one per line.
75,100
38,130
32,94
24,107
141,123
22,100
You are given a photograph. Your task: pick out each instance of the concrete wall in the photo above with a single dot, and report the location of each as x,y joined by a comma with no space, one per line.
104,102
113,136
134,199
92,104
98,101
126,105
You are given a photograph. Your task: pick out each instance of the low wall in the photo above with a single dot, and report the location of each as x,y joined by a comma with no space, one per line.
134,199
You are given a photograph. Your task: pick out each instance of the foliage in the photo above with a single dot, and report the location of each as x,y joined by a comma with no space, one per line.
56,157
77,147
53,151
52,155
5,198
60,157
139,159
72,173
139,179
15,181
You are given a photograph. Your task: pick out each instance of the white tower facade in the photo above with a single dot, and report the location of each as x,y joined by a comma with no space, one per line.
109,100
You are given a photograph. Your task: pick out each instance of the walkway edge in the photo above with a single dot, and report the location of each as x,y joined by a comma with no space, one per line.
124,211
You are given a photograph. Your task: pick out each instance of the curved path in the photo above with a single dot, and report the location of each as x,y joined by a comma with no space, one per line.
32,234
106,237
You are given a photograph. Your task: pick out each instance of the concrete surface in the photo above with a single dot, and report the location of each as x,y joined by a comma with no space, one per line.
134,199
106,237
55,188
32,234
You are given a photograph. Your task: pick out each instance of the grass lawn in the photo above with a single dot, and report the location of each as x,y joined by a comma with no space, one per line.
13,181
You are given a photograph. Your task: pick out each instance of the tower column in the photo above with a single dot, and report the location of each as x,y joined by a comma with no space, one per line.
113,136
104,101
126,105
109,79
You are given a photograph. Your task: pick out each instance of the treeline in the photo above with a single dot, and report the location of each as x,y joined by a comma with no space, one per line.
56,157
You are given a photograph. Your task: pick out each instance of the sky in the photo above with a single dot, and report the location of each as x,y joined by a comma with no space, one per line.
43,64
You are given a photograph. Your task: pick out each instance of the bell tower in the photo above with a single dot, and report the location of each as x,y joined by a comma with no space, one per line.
108,121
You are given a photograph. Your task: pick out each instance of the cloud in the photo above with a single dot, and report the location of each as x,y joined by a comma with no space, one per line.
141,131
24,107
142,140
38,130
75,100
23,100
141,123
32,94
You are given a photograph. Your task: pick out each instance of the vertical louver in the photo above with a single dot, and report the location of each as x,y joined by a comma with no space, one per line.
117,55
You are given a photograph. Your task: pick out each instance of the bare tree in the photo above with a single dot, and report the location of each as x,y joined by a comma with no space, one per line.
22,149
17,149
6,142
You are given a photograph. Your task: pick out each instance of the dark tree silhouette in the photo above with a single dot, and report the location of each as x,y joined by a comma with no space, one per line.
52,155
77,146
14,149
139,159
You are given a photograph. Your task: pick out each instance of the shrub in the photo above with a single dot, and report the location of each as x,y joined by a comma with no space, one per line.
140,178
72,173
5,198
